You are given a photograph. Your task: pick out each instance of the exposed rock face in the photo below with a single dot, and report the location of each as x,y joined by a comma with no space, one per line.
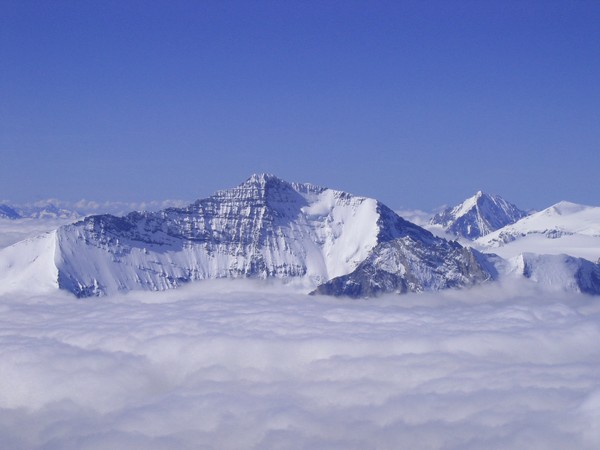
559,272
408,265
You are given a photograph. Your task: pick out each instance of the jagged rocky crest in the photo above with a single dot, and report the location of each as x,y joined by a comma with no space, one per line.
478,216
338,243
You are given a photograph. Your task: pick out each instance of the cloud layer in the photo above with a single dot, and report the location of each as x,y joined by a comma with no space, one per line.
233,365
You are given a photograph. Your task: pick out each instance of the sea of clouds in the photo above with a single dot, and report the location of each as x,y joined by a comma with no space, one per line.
235,365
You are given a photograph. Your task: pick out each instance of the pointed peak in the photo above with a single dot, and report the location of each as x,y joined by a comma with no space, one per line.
483,195
262,180
257,184
262,183
478,215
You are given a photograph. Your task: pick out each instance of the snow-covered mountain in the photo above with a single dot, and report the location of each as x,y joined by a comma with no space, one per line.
265,227
478,216
562,228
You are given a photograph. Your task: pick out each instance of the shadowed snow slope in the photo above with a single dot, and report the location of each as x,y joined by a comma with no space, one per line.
559,272
220,365
478,216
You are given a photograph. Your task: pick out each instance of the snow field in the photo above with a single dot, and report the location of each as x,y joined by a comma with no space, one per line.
562,228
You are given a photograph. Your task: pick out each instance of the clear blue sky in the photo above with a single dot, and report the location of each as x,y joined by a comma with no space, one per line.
417,103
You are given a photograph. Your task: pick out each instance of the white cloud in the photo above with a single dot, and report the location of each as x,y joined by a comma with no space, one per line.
228,365
415,216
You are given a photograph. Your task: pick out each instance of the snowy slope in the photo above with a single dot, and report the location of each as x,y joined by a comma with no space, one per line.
29,265
477,216
557,272
565,227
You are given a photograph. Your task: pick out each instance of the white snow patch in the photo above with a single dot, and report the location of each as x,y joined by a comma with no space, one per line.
562,228
29,266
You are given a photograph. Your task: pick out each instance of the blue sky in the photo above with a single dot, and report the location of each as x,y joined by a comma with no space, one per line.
416,103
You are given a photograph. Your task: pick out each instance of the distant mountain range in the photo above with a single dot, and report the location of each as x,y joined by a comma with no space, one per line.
328,241
57,209
46,211
8,212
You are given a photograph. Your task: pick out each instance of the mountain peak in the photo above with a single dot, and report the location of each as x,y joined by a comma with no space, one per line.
478,216
262,178
262,182
262,185
258,185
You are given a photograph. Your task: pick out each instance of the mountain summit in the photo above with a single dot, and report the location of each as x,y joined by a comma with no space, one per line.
478,216
43,210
